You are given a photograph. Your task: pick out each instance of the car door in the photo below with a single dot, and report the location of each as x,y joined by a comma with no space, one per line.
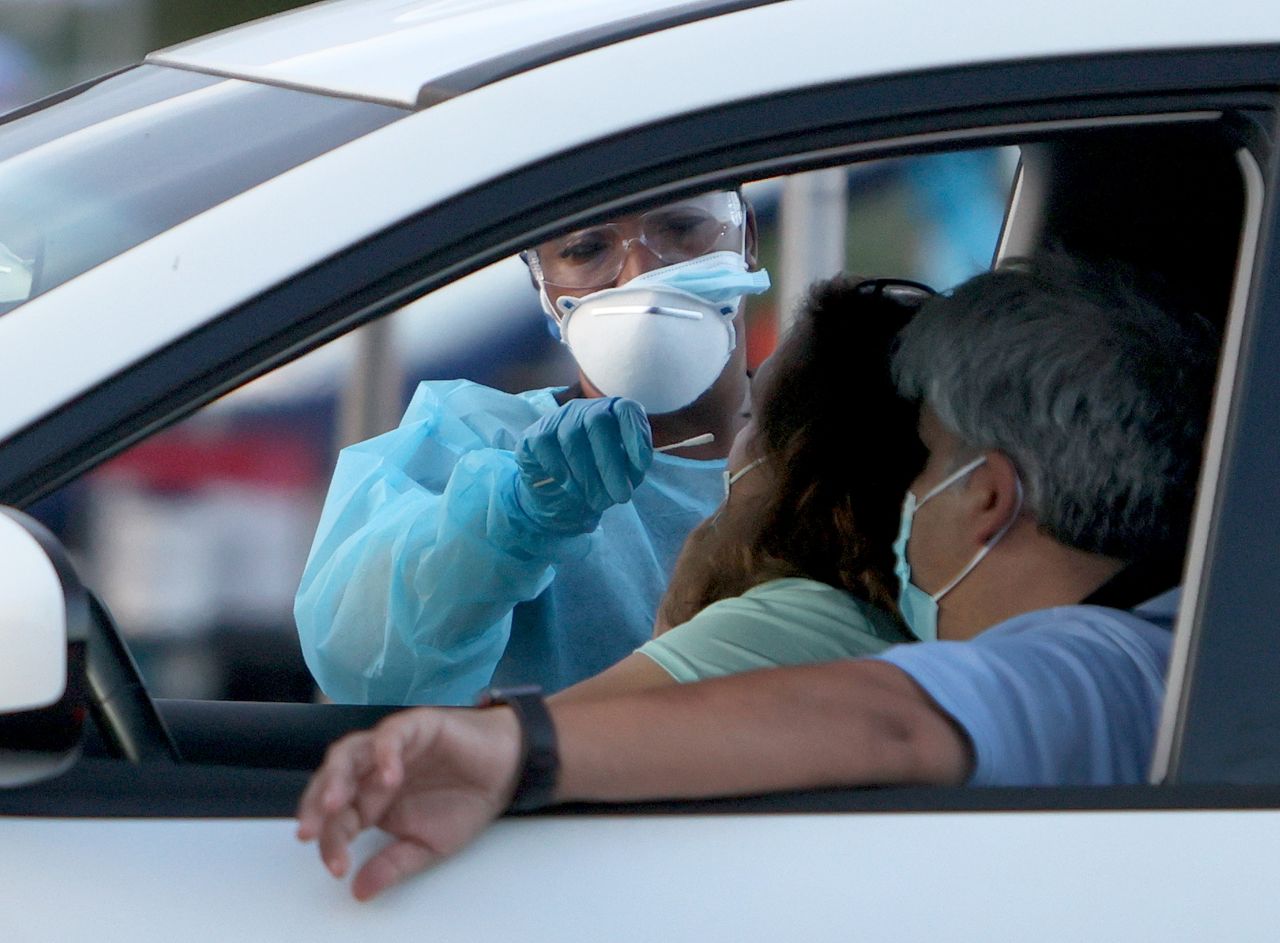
970,864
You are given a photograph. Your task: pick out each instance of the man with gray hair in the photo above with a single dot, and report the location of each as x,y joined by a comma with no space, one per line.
1063,418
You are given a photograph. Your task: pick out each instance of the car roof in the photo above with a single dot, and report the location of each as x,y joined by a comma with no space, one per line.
415,53
418,52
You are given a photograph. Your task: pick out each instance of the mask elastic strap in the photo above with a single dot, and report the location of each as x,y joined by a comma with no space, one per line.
730,478
950,480
530,258
987,547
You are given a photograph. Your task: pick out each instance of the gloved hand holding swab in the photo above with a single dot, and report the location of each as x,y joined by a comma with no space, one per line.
705,439
596,450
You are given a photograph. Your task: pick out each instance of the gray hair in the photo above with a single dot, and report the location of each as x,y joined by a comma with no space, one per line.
1097,396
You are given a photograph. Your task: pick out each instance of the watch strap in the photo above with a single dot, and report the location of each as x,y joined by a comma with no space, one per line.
539,755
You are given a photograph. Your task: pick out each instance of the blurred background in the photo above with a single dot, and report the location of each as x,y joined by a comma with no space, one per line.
196,537
46,45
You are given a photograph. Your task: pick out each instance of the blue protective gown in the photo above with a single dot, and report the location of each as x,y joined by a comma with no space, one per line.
422,588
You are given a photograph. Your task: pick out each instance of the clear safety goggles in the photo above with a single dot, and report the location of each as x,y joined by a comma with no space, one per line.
594,257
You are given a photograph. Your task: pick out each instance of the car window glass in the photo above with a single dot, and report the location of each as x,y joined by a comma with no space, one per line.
197,537
85,181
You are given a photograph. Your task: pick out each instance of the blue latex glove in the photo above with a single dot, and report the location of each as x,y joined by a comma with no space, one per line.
595,451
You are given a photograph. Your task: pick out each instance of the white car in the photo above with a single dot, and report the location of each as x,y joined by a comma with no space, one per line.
175,230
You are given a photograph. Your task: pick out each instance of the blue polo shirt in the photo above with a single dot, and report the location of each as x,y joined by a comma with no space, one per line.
1062,696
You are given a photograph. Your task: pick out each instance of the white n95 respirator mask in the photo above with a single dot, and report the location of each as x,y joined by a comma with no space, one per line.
664,337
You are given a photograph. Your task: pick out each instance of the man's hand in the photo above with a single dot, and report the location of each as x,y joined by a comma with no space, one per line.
432,779
581,460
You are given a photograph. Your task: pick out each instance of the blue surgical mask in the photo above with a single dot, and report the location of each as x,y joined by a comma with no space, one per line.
920,609
719,279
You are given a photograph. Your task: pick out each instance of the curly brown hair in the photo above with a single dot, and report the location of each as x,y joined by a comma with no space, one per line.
842,448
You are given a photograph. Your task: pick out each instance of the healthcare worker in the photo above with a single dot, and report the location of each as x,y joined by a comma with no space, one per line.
492,537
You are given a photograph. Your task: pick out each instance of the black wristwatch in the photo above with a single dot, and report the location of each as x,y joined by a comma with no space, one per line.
539,758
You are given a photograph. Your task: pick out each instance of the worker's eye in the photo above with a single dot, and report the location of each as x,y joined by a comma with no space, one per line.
583,247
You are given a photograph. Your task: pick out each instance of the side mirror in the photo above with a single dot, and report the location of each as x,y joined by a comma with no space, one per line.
44,624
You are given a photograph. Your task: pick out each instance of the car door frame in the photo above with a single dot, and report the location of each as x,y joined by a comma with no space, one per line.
796,130
1222,722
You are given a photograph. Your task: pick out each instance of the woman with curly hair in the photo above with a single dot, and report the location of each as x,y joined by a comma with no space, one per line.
797,565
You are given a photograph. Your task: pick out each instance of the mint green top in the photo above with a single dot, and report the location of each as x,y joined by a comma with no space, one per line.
791,621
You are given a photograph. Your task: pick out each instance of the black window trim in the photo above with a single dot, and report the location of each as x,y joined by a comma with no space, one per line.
101,788
1165,764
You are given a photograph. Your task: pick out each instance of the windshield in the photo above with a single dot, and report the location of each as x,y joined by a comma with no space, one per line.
87,176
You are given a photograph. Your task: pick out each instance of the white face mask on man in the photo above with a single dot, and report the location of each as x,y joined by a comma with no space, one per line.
664,337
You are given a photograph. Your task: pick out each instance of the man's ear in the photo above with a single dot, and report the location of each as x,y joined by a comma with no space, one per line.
753,237
996,494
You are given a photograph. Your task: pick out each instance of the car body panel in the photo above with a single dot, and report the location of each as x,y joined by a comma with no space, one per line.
1170,876
33,630
387,50
1124,874
390,50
